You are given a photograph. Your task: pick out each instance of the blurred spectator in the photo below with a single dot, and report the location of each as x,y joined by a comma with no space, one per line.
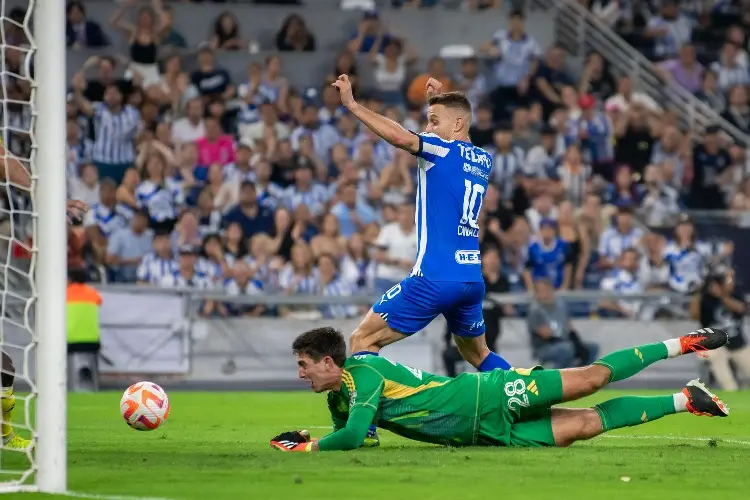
187,231
168,35
660,200
212,82
729,70
251,217
243,284
551,76
323,137
128,246
306,192
549,258
471,80
115,127
621,236
577,240
357,266
623,191
79,31
597,80
542,207
235,244
685,71
572,177
86,187
624,280
268,128
626,97
215,147
126,191
226,33
294,36
396,248
345,65
190,127
482,130
507,160
738,112
668,154
212,262
654,269
516,54
525,132
333,285
158,194
352,213
390,71
158,263
710,162
635,135
669,30
542,160
371,35
687,258
554,340
143,38
106,214
436,70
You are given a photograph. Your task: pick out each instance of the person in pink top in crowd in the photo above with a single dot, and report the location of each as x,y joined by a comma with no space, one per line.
215,146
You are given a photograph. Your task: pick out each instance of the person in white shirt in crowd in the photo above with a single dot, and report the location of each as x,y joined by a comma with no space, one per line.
543,160
299,274
269,193
127,247
158,263
86,187
472,82
669,30
390,70
160,195
731,73
660,203
620,102
689,258
187,276
243,284
212,263
116,125
78,150
669,147
542,207
107,214
190,127
654,269
331,284
616,239
324,137
357,266
268,126
305,191
396,249
624,280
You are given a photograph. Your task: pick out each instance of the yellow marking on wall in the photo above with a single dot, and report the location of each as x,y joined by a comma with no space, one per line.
644,417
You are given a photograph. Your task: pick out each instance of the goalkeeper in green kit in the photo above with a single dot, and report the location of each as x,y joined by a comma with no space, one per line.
498,408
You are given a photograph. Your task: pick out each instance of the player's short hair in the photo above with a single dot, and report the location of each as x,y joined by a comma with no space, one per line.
321,342
453,100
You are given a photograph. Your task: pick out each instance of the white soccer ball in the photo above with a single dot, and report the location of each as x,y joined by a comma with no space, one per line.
144,406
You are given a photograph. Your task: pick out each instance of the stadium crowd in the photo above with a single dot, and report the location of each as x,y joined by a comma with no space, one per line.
252,186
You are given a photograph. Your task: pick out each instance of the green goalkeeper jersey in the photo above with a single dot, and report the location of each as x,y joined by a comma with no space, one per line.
461,411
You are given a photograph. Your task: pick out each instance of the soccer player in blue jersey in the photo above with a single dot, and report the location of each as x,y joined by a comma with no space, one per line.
447,276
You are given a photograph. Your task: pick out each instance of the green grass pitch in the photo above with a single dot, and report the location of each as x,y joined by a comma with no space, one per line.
215,446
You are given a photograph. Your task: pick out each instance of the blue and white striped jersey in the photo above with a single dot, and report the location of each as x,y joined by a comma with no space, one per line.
687,265
209,224
451,183
115,134
338,288
613,243
506,166
315,198
209,268
153,269
291,281
624,283
516,57
108,220
731,76
679,32
198,281
160,201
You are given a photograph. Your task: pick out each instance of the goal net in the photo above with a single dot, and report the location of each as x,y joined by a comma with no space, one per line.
31,237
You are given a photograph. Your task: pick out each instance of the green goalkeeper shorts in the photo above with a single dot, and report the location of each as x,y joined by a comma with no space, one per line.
529,395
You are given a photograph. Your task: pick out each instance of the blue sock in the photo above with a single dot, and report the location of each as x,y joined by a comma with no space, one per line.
493,361
372,429
362,353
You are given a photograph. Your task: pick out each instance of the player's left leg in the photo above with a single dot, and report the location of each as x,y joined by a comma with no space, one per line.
619,365
466,323
577,424
11,441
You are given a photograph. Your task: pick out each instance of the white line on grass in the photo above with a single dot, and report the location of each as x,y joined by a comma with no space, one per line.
74,494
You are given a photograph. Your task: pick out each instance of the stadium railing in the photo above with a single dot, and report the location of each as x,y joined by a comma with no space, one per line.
579,32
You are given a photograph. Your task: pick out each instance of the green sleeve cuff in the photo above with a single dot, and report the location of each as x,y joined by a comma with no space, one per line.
353,435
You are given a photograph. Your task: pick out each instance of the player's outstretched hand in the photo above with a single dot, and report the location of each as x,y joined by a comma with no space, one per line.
293,441
344,87
434,87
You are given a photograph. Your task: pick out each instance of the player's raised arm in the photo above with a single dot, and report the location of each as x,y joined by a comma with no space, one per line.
389,130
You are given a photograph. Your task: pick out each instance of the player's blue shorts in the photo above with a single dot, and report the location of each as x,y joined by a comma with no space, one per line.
412,304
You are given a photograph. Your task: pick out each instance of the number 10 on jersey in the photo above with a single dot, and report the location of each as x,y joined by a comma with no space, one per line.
473,191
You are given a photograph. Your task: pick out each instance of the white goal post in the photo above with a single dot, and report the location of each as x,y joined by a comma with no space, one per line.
33,288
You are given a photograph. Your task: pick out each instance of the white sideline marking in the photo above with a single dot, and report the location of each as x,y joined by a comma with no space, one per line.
94,496
637,437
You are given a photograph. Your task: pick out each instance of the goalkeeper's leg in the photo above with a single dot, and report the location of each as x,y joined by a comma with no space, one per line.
11,441
619,365
575,424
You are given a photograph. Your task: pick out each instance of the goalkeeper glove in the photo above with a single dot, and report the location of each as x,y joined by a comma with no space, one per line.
293,441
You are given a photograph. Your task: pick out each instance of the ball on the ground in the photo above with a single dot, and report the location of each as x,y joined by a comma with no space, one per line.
144,406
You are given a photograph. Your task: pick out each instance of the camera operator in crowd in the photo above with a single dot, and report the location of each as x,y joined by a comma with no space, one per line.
719,304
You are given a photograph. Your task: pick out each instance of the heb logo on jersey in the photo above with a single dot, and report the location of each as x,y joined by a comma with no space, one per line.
476,171
468,257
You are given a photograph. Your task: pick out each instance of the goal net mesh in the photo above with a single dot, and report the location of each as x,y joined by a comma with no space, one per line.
17,231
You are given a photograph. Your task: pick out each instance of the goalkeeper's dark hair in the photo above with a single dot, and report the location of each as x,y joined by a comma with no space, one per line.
321,342
455,100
